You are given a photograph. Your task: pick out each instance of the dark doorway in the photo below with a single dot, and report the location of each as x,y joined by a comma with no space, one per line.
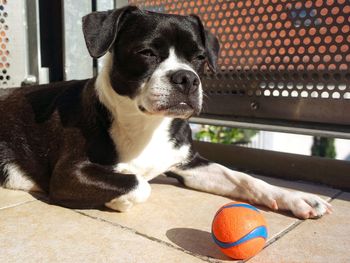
51,37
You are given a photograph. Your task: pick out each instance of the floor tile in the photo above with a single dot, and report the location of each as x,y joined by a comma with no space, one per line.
38,232
172,214
183,217
323,240
10,198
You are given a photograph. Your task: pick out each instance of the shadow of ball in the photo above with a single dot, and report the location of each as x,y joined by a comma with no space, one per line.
195,241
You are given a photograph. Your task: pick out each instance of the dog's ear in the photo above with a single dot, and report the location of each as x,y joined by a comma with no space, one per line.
101,28
211,44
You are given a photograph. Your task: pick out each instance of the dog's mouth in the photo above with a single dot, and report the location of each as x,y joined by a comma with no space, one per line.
182,109
178,110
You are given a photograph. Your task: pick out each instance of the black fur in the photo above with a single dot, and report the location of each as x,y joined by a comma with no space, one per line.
71,101
180,133
101,29
194,161
58,134
176,176
211,44
184,33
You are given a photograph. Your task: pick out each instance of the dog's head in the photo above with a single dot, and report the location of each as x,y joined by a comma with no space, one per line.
157,57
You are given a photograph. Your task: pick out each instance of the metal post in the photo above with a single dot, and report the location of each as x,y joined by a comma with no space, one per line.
77,61
121,3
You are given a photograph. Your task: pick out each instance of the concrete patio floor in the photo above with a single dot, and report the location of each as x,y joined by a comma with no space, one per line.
173,226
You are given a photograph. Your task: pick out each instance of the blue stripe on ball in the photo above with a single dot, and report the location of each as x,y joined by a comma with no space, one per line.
242,205
237,205
260,231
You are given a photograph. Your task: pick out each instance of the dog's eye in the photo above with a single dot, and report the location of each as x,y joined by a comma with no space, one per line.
200,57
147,53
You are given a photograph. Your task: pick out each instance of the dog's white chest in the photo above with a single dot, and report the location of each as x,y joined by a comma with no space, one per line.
152,155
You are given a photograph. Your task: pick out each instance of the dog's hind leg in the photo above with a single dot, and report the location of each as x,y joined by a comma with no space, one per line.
88,185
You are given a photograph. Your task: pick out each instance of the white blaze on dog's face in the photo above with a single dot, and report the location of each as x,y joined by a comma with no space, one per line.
162,93
156,58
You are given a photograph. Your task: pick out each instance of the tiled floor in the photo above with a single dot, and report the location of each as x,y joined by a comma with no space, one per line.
173,226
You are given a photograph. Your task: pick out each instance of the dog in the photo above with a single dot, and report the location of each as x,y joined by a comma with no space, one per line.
97,142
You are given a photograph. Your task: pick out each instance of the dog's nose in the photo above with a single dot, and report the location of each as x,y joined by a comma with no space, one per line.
186,81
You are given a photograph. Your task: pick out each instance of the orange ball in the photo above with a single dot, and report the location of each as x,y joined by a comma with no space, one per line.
239,229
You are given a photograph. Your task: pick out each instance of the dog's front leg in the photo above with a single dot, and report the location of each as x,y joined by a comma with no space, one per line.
88,185
214,178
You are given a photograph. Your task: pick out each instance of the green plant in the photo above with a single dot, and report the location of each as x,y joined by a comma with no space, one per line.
323,147
224,135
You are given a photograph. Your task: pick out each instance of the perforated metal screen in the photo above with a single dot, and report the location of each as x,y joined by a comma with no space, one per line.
279,59
4,44
13,43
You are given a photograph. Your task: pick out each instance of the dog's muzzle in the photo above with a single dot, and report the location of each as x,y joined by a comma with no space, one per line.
178,94
185,81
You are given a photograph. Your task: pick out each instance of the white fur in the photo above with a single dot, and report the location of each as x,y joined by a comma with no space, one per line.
138,195
155,92
157,157
142,140
218,179
17,179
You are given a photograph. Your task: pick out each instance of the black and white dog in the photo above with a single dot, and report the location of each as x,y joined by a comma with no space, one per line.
99,141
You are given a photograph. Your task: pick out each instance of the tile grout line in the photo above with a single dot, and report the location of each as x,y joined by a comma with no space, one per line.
279,236
203,258
294,225
335,195
207,259
15,205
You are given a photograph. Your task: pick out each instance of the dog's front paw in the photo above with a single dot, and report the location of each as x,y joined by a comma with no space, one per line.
138,195
305,205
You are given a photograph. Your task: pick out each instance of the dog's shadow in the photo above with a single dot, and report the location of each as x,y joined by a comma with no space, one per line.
196,242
